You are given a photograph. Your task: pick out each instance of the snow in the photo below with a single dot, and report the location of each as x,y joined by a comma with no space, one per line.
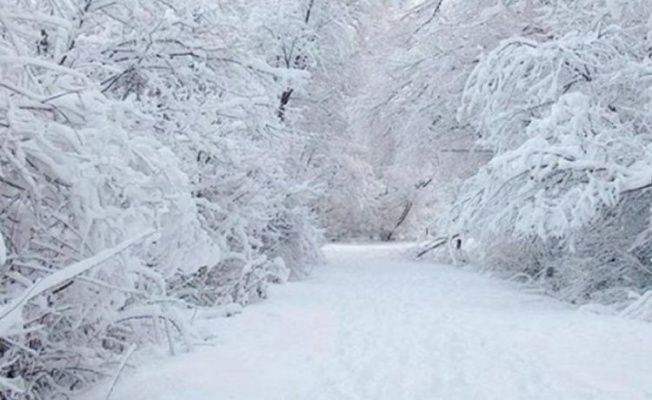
370,325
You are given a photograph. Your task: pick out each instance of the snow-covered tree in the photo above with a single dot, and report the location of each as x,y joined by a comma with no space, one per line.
567,114
81,174
145,163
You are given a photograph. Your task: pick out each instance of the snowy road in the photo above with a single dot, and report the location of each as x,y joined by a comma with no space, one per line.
369,326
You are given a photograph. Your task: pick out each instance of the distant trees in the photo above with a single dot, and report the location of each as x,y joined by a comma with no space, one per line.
404,118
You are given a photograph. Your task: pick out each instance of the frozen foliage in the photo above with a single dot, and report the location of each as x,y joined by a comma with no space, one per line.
150,158
567,114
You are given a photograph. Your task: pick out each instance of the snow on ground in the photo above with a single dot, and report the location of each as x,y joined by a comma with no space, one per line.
371,326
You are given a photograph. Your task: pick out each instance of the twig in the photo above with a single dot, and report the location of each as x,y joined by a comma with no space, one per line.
126,358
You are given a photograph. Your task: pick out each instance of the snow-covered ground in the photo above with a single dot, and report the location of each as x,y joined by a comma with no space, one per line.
371,326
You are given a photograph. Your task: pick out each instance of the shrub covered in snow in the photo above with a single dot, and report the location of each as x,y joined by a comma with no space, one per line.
567,115
148,160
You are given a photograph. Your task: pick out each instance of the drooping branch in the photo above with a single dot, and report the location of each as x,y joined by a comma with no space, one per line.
10,314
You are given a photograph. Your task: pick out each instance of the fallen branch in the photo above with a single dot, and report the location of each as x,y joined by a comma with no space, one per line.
432,246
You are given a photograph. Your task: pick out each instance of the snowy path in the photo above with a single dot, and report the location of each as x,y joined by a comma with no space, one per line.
369,327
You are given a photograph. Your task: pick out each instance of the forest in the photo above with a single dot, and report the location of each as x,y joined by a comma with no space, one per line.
160,156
